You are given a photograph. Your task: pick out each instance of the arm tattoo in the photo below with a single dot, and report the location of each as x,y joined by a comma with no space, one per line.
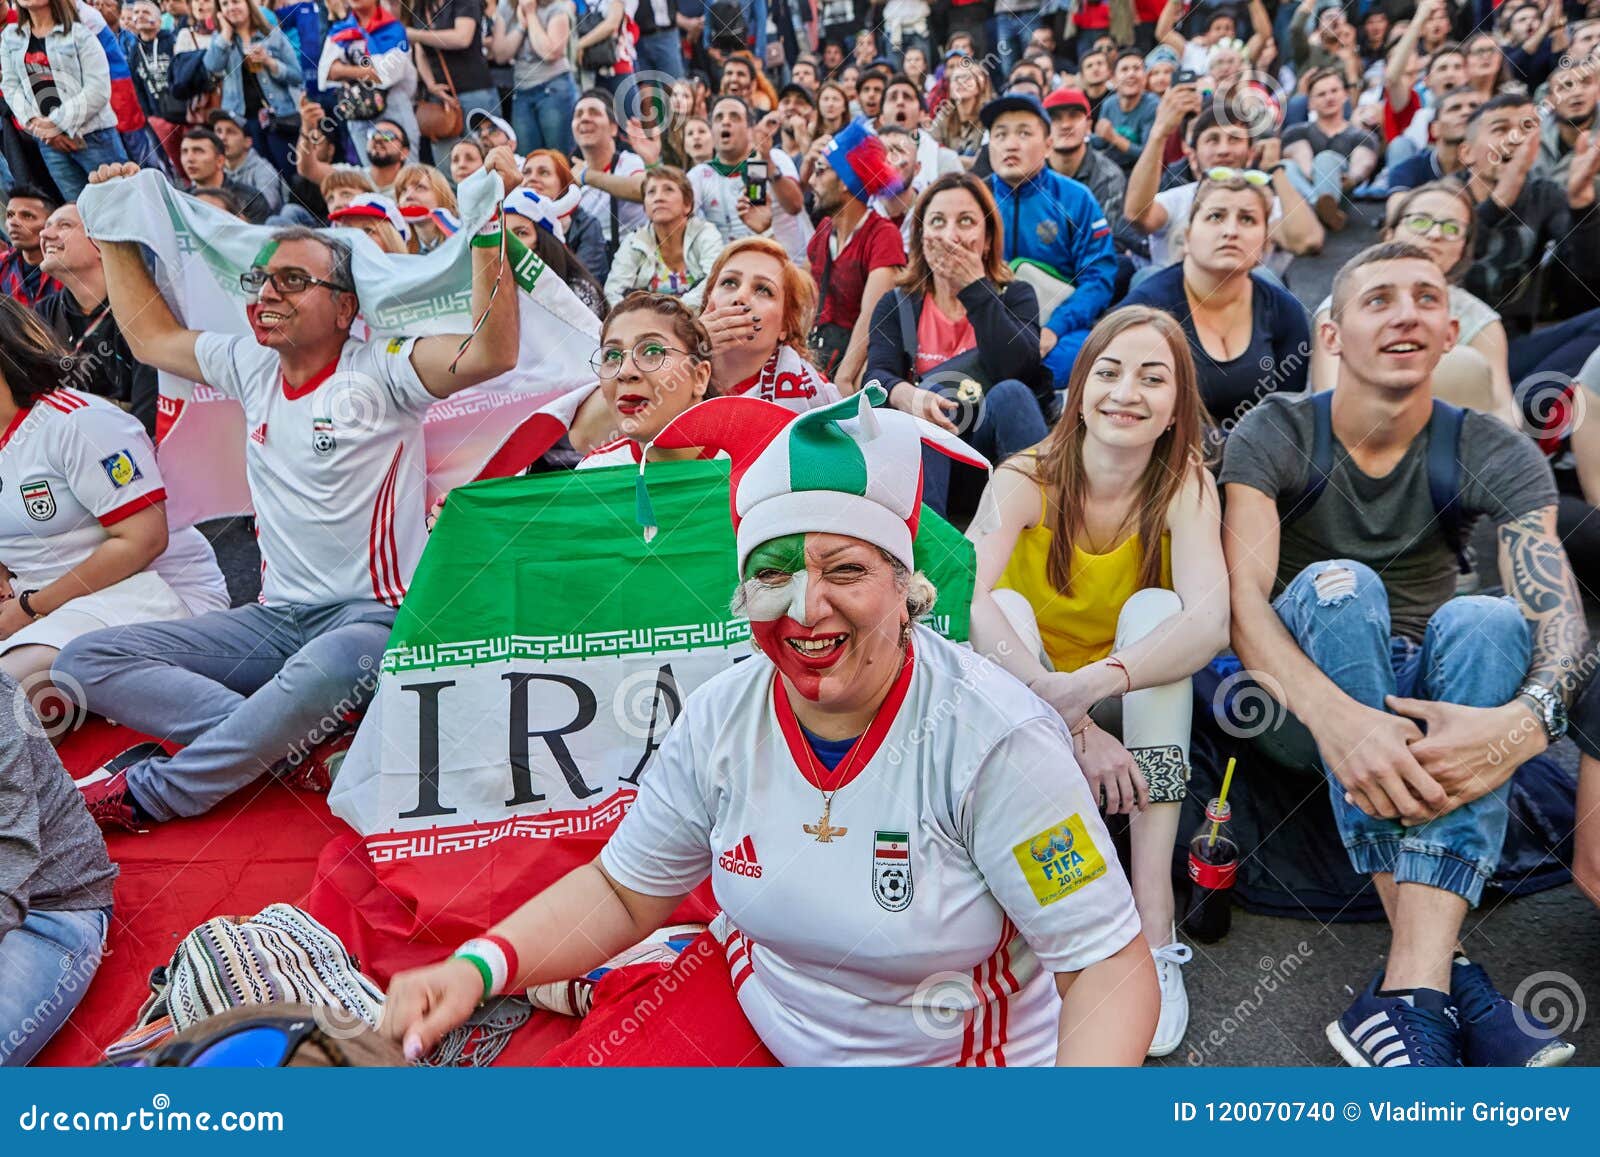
1534,569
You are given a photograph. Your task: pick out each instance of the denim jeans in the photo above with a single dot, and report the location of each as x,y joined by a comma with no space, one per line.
542,115
70,171
1327,176
47,964
1007,422
242,690
1008,36
1474,652
661,51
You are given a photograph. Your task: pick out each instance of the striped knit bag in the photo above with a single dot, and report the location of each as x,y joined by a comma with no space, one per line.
279,955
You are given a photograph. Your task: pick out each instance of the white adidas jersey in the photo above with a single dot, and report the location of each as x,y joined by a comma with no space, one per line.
336,468
70,465
963,865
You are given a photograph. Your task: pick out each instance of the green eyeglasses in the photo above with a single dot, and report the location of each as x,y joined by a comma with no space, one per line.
1421,224
1250,176
647,355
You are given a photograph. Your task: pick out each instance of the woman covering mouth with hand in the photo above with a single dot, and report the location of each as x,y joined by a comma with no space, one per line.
882,864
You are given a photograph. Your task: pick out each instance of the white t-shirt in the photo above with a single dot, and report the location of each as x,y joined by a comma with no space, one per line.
716,197
336,469
70,465
971,865
1167,244
630,214
189,566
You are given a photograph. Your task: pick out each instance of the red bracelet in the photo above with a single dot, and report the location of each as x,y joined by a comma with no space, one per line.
1126,678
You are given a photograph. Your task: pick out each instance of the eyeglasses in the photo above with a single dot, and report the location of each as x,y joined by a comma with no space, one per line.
1421,224
382,135
264,1043
648,356
288,282
1249,176
1484,50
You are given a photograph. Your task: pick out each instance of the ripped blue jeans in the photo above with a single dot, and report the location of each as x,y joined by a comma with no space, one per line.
1475,652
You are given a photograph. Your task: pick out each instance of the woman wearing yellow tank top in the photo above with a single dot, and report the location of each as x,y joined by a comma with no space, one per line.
1101,584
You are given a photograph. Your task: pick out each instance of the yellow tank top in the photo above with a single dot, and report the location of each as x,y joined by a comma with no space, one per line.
1078,629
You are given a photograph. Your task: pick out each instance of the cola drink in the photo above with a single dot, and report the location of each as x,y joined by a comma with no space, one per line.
1213,863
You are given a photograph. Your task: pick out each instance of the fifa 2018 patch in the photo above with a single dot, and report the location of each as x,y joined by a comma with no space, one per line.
38,501
121,468
396,344
1059,860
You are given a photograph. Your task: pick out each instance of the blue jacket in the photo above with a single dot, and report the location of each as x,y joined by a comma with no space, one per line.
1056,221
281,85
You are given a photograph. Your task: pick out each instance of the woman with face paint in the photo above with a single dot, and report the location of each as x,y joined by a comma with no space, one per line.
909,865
1101,584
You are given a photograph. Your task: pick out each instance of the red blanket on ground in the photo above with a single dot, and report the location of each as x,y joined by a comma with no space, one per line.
257,848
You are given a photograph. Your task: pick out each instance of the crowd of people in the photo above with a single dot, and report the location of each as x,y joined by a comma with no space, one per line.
1061,243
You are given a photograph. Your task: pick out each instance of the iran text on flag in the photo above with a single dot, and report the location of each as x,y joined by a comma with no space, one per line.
486,431
539,658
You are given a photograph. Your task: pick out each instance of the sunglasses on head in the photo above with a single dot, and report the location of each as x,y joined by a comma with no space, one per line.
264,1043
1249,176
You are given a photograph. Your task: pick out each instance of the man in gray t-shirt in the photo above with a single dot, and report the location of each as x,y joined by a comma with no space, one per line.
1420,704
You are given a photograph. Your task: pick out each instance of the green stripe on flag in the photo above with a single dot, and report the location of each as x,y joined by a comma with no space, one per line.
824,457
894,837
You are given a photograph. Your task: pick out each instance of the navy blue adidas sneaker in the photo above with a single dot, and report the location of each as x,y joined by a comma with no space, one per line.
1497,1033
1416,1030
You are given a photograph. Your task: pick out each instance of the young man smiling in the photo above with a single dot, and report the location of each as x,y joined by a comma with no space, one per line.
1344,610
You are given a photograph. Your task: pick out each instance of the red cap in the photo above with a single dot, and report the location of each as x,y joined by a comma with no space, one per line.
1067,98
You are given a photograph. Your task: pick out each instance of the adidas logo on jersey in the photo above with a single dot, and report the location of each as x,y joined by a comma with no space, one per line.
741,859
259,434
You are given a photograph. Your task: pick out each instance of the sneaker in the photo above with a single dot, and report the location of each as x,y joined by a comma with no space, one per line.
1174,1021
1416,1030
110,803
1329,213
1497,1033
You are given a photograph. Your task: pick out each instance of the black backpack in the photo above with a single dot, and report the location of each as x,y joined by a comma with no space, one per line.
729,31
1444,472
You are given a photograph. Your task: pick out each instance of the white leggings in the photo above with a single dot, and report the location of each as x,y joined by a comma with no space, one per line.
1153,722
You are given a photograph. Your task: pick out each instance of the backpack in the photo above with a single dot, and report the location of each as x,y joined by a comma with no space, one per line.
729,31
1444,472
603,53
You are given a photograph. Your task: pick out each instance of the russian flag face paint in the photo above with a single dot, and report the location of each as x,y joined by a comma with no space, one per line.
776,583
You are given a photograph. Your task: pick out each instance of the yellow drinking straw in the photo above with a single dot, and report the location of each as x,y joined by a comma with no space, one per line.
1227,778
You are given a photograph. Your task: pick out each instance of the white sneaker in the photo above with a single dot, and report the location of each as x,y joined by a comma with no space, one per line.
1174,1021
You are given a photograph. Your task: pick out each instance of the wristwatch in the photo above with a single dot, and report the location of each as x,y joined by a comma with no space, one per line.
23,601
1547,705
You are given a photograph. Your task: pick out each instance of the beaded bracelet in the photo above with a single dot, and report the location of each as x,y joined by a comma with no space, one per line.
495,960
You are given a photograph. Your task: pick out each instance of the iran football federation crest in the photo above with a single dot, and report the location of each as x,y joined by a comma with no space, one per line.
322,440
891,870
40,503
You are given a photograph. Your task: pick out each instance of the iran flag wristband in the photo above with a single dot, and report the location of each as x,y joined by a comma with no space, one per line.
488,235
495,960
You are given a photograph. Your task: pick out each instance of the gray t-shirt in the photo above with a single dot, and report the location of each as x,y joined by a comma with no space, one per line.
528,69
52,857
1388,523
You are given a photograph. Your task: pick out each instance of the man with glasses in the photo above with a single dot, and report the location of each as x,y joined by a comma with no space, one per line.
336,470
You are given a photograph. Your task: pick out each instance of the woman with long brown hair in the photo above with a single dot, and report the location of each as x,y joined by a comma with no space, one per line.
1101,584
